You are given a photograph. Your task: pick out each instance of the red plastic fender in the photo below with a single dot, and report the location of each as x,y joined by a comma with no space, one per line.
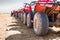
39,7
20,11
27,9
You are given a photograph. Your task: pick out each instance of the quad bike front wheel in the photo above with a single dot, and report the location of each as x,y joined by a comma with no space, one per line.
40,24
24,18
29,23
21,17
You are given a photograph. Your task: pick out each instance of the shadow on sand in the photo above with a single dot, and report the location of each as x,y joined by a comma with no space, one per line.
28,33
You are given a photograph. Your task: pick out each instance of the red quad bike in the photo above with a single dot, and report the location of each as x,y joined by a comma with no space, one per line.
26,11
30,14
20,14
13,13
19,11
42,14
16,13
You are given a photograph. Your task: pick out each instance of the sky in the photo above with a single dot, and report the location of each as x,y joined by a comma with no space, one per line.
8,5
